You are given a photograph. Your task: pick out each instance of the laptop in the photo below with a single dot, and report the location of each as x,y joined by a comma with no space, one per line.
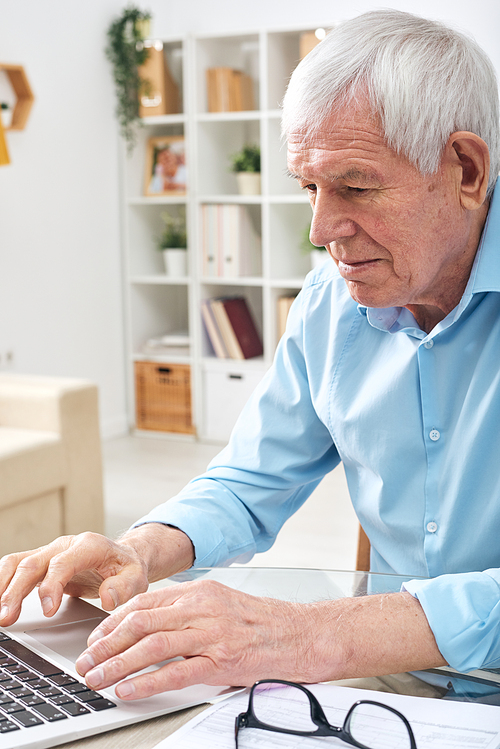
44,702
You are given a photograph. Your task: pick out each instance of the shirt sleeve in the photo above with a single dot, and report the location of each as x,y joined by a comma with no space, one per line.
463,611
277,454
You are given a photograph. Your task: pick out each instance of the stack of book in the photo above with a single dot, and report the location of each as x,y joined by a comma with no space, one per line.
230,245
229,90
230,328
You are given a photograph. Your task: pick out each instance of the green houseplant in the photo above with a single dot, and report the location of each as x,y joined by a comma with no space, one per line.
173,244
246,165
126,52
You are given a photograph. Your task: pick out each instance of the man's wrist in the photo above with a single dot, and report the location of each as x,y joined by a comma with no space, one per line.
164,549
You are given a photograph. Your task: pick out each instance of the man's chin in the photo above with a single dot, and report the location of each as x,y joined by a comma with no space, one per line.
368,296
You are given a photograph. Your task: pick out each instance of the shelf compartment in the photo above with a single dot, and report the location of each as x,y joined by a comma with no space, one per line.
240,52
253,295
157,311
217,142
144,228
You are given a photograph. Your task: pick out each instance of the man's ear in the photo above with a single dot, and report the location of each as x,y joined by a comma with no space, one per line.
472,155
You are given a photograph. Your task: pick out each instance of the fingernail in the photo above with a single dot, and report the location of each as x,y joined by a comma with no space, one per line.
95,678
113,596
84,663
126,689
95,635
47,604
4,611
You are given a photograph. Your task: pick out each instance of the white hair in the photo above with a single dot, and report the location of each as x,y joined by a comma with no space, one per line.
425,81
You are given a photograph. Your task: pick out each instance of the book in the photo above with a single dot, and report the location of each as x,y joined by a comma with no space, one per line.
213,332
226,330
243,326
229,90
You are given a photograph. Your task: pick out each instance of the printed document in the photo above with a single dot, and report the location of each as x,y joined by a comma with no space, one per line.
436,724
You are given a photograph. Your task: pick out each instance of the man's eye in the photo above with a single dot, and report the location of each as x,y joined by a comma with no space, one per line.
310,188
357,190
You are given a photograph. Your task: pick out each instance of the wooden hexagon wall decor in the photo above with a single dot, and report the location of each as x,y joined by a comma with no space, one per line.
24,95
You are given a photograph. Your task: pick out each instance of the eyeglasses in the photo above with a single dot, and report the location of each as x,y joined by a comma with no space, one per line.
368,724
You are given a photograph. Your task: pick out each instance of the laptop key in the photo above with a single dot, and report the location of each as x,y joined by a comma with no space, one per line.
6,726
60,699
49,691
31,700
62,679
27,719
74,709
88,696
102,704
7,686
49,712
12,707
75,688
38,684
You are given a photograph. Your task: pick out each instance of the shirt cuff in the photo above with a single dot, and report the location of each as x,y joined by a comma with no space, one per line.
463,611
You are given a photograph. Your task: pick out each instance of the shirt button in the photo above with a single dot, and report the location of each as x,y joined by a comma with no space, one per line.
432,527
429,344
434,435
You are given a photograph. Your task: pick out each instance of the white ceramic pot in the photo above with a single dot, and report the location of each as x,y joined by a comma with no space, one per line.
6,115
175,260
248,183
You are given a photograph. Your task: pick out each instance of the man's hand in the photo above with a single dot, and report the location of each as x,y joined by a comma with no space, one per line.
228,637
90,565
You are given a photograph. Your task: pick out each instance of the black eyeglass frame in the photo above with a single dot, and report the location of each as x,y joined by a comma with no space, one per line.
318,717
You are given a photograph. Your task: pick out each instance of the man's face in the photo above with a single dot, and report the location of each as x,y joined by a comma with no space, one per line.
398,238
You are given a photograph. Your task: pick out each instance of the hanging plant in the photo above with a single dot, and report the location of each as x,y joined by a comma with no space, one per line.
126,52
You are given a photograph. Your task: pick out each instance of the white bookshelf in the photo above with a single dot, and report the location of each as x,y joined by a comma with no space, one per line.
157,304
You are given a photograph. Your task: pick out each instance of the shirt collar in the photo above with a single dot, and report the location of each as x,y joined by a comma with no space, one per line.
484,276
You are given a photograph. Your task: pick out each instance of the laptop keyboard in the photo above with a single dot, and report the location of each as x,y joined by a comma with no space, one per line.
33,691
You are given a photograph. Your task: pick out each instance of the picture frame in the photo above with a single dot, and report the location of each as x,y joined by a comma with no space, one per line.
165,172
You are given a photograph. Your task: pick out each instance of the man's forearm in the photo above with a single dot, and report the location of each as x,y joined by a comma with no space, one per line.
164,549
370,636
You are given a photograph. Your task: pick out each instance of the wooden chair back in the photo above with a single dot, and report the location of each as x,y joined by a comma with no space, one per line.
363,552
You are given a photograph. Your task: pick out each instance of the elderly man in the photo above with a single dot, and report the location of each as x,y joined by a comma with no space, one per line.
390,364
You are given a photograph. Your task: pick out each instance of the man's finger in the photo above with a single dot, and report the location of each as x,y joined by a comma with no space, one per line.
175,675
30,569
152,601
150,650
133,630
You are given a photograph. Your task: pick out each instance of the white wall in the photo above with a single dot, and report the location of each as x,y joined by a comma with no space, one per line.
60,297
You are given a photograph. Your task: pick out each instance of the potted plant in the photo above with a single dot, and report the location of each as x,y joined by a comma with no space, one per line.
246,165
6,114
173,244
126,52
318,254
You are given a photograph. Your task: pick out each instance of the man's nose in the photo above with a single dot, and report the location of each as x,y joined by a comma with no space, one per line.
330,221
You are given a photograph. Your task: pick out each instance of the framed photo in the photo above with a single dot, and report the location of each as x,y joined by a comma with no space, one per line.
165,166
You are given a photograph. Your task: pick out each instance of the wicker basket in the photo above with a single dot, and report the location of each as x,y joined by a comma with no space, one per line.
163,397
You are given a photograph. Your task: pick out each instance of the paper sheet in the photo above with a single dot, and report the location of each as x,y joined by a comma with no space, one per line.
437,724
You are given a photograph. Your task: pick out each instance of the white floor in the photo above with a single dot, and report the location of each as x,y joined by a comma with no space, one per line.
140,472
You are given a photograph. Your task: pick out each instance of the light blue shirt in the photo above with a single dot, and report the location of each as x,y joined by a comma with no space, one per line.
414,418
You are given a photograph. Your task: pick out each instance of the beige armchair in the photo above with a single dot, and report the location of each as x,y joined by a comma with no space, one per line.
50,460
